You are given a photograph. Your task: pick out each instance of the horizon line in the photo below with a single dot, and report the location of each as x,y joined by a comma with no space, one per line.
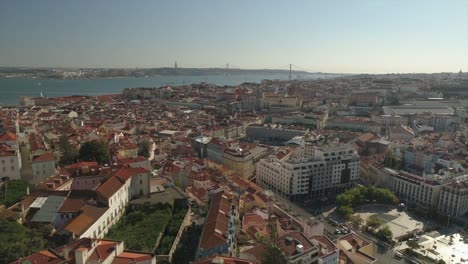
247,69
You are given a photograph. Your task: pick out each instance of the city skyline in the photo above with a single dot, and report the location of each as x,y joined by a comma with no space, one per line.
336,36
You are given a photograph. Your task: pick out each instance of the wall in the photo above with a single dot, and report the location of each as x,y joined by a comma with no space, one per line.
42,171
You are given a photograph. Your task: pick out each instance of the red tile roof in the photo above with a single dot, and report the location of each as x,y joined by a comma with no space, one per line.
46,157
225,260
287,243
110,187
41,257
217,222
8,136
127,173
88,217
132,160
132,257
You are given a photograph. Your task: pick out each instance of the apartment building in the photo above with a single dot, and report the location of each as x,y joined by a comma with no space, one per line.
239,160
43,167
416,190
218,236
322,171
297,248
453,199
328,252
10,163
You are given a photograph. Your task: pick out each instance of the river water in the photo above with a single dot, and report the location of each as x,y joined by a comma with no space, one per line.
12,89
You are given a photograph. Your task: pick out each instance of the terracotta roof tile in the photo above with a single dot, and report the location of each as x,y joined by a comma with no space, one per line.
46,157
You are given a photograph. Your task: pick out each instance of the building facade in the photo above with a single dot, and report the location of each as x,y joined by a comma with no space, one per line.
321,172
416,190
453,199
43,167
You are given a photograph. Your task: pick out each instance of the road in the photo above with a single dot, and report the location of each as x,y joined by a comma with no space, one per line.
383,253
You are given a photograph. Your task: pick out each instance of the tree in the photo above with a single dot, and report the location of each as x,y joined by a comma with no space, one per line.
69,152
144,148
16,241
373,221
344,199
356,220
94,151
13,191
273,255
345,211
385,233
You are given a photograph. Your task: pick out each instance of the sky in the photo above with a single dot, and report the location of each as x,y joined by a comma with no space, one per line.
347,36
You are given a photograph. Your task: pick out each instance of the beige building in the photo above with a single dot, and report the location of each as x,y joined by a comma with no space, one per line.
321,171
10,164
281,101
357,249
416,190
453,199
240,161
297,249
43,167
390,120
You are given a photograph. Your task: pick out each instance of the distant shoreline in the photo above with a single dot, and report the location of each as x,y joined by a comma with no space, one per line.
48,73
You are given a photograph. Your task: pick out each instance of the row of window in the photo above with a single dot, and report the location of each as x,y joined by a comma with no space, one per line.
12,160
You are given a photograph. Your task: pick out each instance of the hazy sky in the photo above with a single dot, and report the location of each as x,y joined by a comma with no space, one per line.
328,36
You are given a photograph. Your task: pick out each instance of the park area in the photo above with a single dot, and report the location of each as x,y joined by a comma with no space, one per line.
141,227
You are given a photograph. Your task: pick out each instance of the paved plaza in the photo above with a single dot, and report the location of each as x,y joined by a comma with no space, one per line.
400,223
451,247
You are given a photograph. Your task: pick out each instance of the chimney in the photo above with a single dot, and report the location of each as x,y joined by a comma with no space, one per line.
299,248
66,252
81,255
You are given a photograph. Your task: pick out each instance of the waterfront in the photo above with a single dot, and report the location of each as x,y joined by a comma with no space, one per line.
12,89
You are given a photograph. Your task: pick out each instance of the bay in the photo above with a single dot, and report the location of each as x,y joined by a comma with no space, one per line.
12,89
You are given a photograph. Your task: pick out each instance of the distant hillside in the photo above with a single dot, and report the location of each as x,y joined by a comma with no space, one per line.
133,72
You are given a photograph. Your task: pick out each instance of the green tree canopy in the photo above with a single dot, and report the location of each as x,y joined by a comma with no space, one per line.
373,221
385,233
13,191
345,211
16,241
69,152
366,195
356,220
272,255
144,148
94,151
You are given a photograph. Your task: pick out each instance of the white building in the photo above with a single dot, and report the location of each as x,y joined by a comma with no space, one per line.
43,167
453,199
114,194
328,252
417,190
322,171
390,120
297,248
10,163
